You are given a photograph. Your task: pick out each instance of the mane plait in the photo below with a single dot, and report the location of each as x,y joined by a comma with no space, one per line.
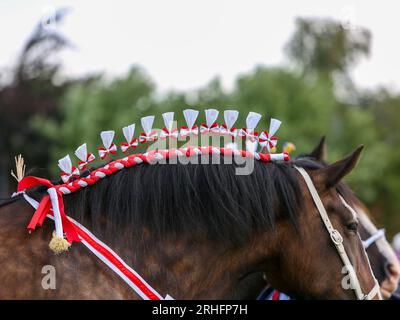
266,141
72,181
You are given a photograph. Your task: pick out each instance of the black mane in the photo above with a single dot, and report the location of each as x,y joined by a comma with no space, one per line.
186,200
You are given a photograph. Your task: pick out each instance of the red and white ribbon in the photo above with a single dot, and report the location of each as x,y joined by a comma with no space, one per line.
204,129
151,137
224,130
186,132
268,140
165,133
147,135
108,146
251,122
168,131
230,117
210,126
190,116
84,157
131,141
248,134
67,170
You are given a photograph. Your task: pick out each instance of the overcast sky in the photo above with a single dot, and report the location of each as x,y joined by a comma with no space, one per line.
182,44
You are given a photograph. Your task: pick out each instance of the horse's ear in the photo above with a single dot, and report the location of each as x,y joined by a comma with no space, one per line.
332,174
319,153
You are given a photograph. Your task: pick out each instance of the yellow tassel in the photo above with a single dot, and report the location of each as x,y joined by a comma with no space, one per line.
59,244
20,168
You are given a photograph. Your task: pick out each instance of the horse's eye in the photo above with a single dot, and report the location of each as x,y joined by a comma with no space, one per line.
353,226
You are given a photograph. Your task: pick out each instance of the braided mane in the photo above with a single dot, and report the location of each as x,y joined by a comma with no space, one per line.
184,200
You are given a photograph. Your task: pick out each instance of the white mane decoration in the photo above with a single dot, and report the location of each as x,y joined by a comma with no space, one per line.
266,139
129,132
190,117
107,138
230,117
84,157
65,164
252,120
190,129
147,124
210,126
167,131
168,120
211,116
131,141
68,171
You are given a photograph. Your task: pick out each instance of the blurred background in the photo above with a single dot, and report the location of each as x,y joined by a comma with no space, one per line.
70,69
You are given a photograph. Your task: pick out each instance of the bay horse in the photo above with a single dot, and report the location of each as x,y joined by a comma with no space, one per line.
194,232
384,262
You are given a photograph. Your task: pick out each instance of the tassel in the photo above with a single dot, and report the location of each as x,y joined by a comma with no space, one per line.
59,244
19,168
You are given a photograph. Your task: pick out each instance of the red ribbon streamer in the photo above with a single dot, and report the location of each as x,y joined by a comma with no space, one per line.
45,206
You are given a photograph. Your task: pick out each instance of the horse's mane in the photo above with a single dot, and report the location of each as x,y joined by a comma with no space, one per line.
190,199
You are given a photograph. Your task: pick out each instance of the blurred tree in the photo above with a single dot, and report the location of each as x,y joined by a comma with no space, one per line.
95,106
325,46
31,91
386,109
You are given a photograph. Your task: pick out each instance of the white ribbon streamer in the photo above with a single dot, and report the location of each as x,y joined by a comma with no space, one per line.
129,132
107,138
147,124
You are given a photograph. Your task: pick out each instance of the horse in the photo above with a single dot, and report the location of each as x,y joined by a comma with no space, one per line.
195,231
384,262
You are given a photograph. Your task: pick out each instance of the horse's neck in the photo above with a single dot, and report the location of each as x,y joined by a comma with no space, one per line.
189,269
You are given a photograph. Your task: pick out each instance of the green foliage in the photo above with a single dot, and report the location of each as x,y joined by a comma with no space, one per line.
325,46
95,106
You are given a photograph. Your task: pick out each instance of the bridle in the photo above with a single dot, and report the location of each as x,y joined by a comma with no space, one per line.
373,238
337,240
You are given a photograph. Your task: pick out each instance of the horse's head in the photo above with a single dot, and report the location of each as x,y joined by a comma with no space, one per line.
309,266
384,262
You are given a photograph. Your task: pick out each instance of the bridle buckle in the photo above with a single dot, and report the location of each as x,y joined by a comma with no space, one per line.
336,237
